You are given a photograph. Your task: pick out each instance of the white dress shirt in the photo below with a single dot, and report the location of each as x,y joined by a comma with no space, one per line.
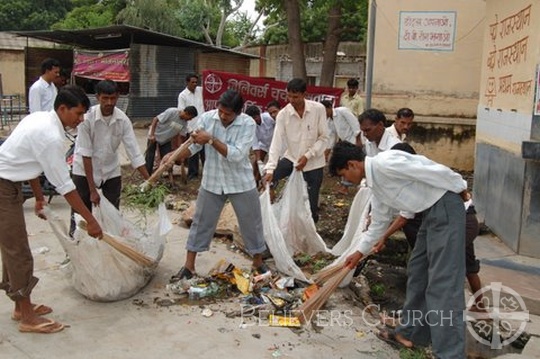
404,182
300,136
264,133
41,96
36,145
100,140
386,143
346,124
187,98
392,129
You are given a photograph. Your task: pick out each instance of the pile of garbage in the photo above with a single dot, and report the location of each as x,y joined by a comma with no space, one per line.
266,295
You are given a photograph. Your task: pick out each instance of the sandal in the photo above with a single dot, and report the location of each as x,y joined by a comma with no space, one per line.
48,327
183,273
389,336
39,309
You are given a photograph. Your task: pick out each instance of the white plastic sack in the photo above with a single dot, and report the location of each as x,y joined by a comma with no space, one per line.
294,217
275,242
356,221
100,272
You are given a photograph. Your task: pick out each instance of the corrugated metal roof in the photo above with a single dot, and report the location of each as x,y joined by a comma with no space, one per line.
10,41
119,37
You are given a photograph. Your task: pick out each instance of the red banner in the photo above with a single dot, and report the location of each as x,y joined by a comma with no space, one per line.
102,65
256,90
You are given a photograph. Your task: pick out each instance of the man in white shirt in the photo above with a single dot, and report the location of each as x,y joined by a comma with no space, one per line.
301,130
343,125
164,130
434,304
36,145
192,95
43,92
376,137
402,124
96,163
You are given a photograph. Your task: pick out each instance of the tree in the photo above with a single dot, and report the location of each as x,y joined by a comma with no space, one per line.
90,13
330,47
296,45
32,14
156,15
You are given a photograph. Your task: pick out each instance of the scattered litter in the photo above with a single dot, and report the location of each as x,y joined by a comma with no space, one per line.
207,312
165,302
180,287
243,325
360,334
286,282
276,353
283,321
40,250
256,336
203,290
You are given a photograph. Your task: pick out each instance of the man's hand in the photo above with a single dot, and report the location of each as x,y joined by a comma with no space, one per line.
152,138
94,197
201,137
379,246
94,230
267,178
465,195
301,163
38,208
327,154
352,261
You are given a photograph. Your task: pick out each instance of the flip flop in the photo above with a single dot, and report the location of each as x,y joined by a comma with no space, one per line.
389,336
39,309
48,327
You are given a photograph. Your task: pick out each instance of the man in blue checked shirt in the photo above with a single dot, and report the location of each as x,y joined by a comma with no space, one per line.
227,136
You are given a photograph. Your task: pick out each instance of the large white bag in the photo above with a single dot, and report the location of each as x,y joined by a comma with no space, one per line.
294,217
275,242
100,272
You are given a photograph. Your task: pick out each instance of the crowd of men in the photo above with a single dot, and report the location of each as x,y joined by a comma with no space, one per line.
236,148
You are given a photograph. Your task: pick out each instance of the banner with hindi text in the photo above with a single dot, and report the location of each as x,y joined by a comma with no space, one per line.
257,91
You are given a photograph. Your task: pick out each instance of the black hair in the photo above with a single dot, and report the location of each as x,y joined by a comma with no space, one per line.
373,115
189,76
231,99
342,153
253,111
107,87
405,112
327,103
71,96
48,64
273,103
297,85
192,111
405,147
352,83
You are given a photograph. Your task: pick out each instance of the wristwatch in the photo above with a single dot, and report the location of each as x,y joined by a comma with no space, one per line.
211,141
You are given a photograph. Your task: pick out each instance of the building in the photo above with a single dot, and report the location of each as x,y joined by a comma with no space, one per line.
158,63
507,169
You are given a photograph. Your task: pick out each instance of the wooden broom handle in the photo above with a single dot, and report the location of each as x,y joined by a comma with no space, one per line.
163,167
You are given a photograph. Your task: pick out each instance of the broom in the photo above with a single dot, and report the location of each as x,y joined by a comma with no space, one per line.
329,278
126,250
313,304
164,166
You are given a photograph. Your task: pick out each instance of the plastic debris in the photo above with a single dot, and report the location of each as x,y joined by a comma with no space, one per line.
286,282
40,250
207,312
283,321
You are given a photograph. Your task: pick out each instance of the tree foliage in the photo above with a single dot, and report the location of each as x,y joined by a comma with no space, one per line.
91,13
314,20
32,14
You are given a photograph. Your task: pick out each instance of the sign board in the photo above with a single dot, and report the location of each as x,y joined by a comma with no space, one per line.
427,30
102,65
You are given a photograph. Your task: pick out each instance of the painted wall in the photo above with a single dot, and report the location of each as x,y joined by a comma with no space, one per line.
509,195
12,70
431,82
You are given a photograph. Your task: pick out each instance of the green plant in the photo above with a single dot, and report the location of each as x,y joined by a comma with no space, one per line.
416,353
378,289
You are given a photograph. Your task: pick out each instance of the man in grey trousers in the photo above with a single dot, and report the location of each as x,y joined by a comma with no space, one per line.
434,303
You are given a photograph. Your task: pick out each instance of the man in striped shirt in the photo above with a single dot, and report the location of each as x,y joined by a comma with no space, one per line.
227,136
